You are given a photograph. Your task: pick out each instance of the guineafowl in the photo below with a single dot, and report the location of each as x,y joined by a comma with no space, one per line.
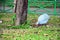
43,19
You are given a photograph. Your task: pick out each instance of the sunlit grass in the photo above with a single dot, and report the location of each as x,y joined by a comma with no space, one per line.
28,32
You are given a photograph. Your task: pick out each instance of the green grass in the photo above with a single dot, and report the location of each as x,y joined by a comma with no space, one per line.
28,32
7,19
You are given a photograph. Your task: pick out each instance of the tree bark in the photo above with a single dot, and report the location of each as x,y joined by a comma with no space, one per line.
15,5
21,11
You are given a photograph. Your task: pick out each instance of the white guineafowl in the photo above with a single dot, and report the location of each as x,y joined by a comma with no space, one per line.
0,21
43,19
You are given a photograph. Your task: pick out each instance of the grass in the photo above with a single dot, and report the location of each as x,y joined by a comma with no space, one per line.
7,19
28,32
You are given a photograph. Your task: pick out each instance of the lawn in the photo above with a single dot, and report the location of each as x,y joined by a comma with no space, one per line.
28,32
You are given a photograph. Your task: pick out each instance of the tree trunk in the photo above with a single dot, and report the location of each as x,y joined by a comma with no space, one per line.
21,11
15,5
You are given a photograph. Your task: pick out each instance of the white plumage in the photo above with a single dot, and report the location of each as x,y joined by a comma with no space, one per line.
0,21
43,19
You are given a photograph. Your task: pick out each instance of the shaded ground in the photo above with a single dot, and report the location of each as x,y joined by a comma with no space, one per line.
36,10
45,10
